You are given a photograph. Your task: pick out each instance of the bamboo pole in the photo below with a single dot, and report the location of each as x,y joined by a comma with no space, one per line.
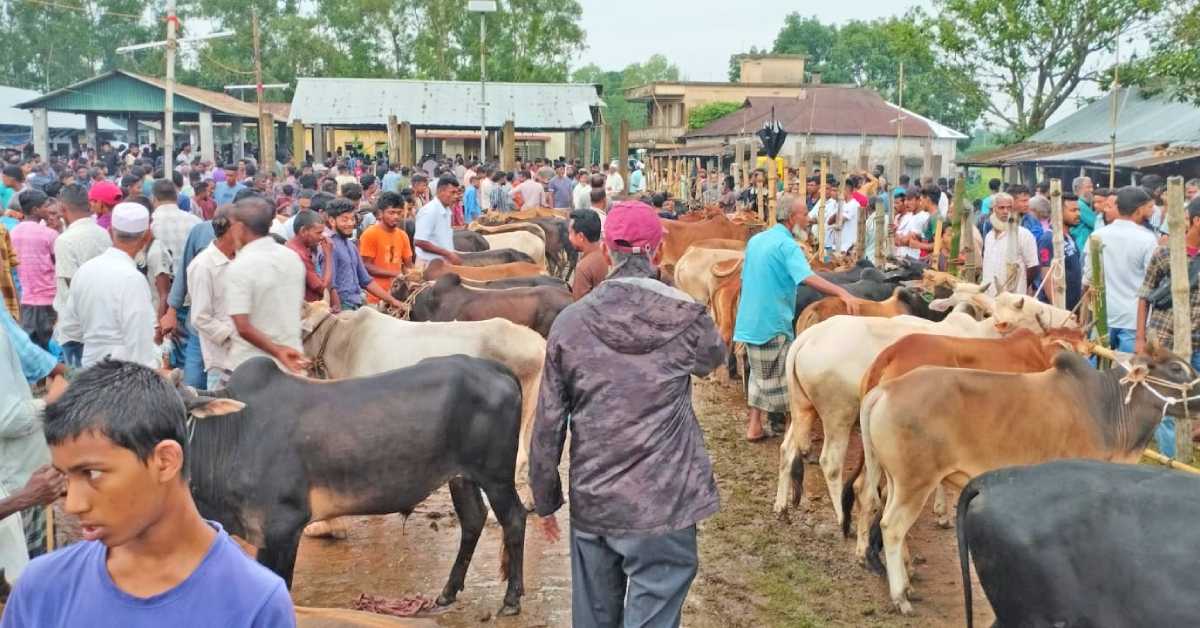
881,233
1012,268
936,257
959,226
1177,224
860,240
1058,273
50,527
770,217
1099,300
696,191
821,211
1170,463
838,218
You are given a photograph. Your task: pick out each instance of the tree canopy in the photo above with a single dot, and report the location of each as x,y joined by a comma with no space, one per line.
701,116
614,83
1173,65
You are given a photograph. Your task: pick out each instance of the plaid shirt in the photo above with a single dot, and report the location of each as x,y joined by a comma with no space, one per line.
1160,325
171,226
8,286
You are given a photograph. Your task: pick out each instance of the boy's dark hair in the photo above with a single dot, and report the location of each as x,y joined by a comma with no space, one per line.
321,200
933,193
1017,189
352,191
366,181
164,190
597,195
445,181
339,206
388,199
586,222
308,181
127,403
1131,197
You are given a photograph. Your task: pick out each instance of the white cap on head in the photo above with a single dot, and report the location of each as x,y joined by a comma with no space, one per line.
130,218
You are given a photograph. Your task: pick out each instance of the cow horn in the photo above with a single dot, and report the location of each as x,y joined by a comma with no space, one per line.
1038,317
1020,303
984,287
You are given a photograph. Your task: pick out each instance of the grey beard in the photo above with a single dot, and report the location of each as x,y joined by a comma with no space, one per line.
1000,226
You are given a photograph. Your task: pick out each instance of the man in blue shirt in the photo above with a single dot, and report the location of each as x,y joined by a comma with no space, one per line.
350,276
120,436
774,266
471,208
986,207
225,193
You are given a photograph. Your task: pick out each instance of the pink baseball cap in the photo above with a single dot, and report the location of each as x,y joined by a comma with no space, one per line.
632,227
106,192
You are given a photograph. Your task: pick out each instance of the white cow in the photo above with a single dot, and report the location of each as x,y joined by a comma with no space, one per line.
826,363
522,241
367,342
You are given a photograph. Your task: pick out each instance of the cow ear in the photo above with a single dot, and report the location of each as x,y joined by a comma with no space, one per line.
941,305
204,407
175,376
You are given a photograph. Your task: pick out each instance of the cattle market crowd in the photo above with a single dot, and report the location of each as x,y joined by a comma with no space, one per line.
162,333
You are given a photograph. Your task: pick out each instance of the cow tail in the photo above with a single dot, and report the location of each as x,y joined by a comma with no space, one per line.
964,550
875,546
848,497
875,539
809,317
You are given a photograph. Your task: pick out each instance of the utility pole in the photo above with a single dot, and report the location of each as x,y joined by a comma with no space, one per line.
482,7
169,89
266,121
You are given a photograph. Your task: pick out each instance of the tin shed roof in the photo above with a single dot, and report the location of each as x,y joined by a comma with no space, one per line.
443,104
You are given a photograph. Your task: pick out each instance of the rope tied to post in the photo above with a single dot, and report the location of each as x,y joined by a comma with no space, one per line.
1140,376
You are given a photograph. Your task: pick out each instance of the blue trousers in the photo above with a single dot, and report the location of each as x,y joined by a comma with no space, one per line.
1120,339
72,354
188,349
631,582
1164,434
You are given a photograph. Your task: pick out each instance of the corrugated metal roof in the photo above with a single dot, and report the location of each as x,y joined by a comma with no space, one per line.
11,115
443,104
118,91
1128,155
706,150
1140,120
827,110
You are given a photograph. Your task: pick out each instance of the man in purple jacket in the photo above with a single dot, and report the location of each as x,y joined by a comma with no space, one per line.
618,373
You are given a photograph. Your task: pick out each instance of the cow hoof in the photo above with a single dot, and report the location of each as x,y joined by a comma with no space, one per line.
509,610
918,559
912,595
904,607
944,524
446,599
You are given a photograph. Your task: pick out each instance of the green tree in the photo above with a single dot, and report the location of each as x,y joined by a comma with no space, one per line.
809,37
1028,57
735,66
1173,65
614,83
703,115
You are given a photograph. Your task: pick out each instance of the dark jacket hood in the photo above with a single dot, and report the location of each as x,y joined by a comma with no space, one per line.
635,315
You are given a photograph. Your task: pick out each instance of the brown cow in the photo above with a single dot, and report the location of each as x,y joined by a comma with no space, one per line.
938,424
898,304
721,243
448,300
679,236
724,298
439,267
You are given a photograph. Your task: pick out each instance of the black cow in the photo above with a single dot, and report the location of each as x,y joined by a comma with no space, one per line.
494,256
449,300
303,450
863,281
465,240
1082,543
518,282
558,246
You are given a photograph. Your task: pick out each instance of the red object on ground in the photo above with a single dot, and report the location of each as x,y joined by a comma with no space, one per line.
408,606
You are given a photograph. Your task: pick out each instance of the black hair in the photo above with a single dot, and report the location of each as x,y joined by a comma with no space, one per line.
75,198
287,189
246,193
14,172
321,200
1152,183
339,206
388,199
1193,209
177,178
1017,188
129,404
658,199
586,222
445,181
308,182
352,191
1043,188
31,199
933,193
221,220
52,188
904,180
366,181
164,190
993,184
256,213
305,218
419,178
1131,197
129,180
250,169
597,194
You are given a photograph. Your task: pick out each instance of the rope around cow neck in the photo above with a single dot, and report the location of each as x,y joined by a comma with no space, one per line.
318,364
1136,377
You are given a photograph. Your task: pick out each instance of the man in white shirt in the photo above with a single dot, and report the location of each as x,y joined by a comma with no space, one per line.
110,307
1126,247
581,194
847,234
995,251
614,185
485,188
433,237
82,240
170,226
209,314
529,192
264,290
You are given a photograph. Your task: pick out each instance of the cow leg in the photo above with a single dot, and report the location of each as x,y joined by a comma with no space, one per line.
530,386
899,515
281,540
507,507
468,505
833,458
797,440
939,506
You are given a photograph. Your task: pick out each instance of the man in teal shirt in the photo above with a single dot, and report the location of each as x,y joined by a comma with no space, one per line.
774,266
1084,189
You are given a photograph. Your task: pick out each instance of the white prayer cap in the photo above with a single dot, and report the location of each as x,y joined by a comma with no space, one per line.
130,218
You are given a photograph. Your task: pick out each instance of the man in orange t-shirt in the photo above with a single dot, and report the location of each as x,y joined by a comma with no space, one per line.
384,246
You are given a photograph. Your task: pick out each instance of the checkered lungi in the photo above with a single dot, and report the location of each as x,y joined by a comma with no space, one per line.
34,522
768,382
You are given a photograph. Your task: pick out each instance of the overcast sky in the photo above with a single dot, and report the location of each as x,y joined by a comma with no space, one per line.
699,35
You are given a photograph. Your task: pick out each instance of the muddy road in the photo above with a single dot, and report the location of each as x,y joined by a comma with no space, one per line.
754,570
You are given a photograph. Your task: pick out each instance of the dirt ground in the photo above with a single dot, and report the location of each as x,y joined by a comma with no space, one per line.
754,570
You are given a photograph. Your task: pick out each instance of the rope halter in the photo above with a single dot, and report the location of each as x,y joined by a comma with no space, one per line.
1140,376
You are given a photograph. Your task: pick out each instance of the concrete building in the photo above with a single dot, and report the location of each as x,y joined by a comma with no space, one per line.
64,130
344,114
668,102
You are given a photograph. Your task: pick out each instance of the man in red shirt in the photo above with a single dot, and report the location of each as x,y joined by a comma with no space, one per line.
315,251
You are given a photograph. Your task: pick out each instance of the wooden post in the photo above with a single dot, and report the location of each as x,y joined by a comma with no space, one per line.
958,225
1012,267
605,147
881,233
860,242
407,144
1099,300
508,149
1058,273
623,154
1177,224
821,211
743,162
771,193
393,135
841,200
266,142
587,145
299,134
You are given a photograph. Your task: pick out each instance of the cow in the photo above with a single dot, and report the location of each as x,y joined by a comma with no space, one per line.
938,424
464,240
724,304
529,227
272,451
1082,543
527,243
721,243
438,267
516,282
366,342
446,299
863,281
561,255
679,236
1022,351
693,272
836,354
495,256
903,301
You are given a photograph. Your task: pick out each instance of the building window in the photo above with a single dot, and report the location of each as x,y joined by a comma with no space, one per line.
531,149
430,146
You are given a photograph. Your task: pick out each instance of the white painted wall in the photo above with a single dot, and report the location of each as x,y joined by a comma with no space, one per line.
882,150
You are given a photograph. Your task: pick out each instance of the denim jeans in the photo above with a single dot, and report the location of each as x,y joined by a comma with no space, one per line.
631,581
1120,339
1164,434
72,354
193,359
